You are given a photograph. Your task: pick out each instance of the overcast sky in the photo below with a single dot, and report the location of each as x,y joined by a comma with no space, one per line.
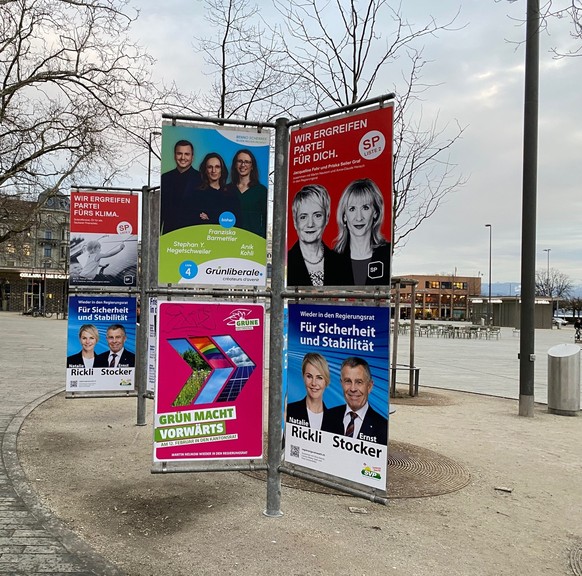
480,77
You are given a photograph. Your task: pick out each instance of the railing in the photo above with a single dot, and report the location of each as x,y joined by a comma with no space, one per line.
413,378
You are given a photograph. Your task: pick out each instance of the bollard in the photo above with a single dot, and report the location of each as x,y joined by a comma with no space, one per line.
564,379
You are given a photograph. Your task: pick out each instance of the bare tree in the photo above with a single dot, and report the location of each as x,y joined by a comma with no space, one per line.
553,285
348,62
75,92
245,62
305,64
574,304
570,10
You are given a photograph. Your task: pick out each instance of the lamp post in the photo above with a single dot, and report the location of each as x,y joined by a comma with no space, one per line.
489,316
548,285
150,154
548,250
42,303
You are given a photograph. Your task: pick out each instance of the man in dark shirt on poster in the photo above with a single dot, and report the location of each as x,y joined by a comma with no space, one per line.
117,355
357,419
177,185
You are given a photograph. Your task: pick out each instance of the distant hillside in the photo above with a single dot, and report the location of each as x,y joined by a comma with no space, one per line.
512,288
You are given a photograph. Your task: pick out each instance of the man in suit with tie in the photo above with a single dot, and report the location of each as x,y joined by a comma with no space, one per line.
117,355
357,419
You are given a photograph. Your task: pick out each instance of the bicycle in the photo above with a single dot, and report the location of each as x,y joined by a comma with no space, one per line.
36,312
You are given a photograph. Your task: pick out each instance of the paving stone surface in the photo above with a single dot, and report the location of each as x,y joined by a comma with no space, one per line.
31,541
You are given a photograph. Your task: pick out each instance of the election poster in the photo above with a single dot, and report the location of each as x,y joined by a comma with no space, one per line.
339,221
104,235
213,205
101,340
208,394
336,419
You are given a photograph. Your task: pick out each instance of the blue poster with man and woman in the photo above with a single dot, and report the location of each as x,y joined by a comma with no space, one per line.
336,418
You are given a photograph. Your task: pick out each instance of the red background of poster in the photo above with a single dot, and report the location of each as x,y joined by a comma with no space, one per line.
102,212
316,164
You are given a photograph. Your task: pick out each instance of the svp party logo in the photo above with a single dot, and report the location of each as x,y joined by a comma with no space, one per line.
371,472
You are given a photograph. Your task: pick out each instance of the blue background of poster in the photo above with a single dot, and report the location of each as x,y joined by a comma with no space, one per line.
73,345
378,359
206,140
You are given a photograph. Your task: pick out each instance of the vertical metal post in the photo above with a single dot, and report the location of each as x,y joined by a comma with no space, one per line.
549,288
150,154
42,307
489,317
141,366
395,329
411,372
276,321
529,203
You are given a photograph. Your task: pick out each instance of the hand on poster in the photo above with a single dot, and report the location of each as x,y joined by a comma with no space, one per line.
108,259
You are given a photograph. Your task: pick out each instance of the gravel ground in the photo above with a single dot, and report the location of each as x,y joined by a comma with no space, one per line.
519,514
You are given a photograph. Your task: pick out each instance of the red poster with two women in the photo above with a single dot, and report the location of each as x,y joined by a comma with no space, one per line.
339,230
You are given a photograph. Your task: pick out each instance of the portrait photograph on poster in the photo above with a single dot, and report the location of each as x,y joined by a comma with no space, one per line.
339,221
209,382
101,343
103,240
336,418
213,205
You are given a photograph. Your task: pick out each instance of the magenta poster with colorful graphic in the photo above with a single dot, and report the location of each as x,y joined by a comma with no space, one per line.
209,381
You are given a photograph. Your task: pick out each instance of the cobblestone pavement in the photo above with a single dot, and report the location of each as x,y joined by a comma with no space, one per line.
32,542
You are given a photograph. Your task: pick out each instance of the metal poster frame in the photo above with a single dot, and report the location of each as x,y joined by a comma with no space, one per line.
109,291
278,295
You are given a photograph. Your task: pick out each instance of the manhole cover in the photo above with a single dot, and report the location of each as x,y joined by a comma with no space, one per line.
576,560
413,472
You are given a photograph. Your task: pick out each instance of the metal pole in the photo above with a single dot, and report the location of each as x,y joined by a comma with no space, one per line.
528,221
395,330
42,307
411,372
141,367
548,286
150,154
489,319
276,322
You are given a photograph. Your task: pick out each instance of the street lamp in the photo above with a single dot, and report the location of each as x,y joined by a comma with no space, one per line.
489,316
42,303
548,250
150,154
548,287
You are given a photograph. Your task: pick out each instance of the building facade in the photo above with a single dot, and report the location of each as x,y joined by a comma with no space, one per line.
440,297
34,264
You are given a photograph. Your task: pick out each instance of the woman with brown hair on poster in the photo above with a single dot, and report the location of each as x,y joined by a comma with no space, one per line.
244,181
214,195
